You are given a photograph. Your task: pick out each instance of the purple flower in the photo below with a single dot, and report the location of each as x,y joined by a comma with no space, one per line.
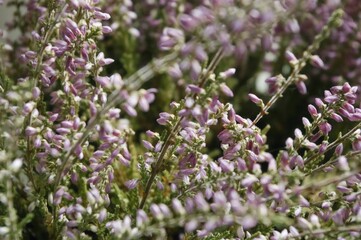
170,38
291,58
249,222
177,206
156,211
107,29
147,145
131,184
129,109
103,81
325,128
228,73
164,118
141,218
226,90
101,15
194,89
30,131
312,110
189,161
343,163
191,225
317,61
255,99
301,86
249,180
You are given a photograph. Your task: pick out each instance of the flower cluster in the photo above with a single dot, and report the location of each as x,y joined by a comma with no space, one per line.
150,119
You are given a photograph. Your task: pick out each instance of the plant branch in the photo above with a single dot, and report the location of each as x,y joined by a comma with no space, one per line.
135,80
159,162
333,21
336,142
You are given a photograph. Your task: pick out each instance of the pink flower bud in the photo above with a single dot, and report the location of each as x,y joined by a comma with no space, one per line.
303,201
129,110
105,61
255,99
319,103
131,184
339,149
30,131
325,128
306,122
228,73
194,89
36,93
356,145
175,71
343,163
226,90
107,29
188,22
301,87
291,58
249,180
346,87
298,133
317,61
30,54
101,15
103,81
303,223
312,110
28,107
147,145
336,117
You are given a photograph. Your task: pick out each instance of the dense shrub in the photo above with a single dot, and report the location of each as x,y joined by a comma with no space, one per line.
174,119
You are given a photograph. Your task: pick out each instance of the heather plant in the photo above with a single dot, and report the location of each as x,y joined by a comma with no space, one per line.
214,119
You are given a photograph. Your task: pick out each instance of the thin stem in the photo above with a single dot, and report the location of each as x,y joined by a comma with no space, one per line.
336,142
290,80
159,163
313,127
336,16
12,224
339,229
319,203
329,163
295,191
35,77
328,181
45,43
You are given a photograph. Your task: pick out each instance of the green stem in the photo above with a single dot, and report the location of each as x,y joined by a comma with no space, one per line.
13,223
333,21
336,142
335,230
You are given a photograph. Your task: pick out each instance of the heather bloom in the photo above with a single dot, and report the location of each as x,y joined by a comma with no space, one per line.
291,58
152,119
170,38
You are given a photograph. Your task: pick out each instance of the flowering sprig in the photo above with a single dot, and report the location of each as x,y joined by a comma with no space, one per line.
85,80
176,125
299,64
